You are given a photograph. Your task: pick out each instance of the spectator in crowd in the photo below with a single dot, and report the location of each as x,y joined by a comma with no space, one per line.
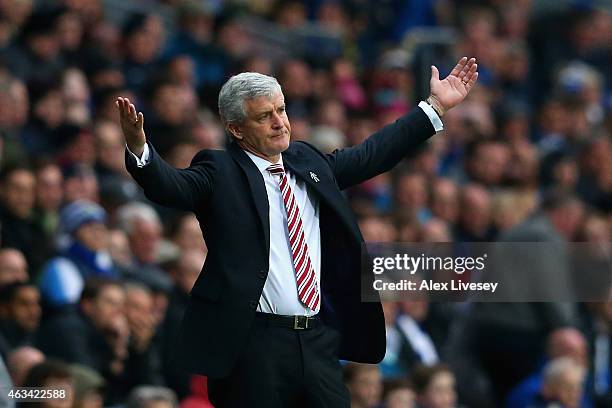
171,115
445,200
436,230
195,38
377,229
487,162
475,220
434,386
596,323
408,342
392,364
49,198
119,248
364,382
152,397
143,36
398,394
143,323
13,267
412,195
143,227
562,384
20,315
543,274
50,374
42,134
40,55
116,187
80,183
17,198
98,336
19,362
88,387
184,273
186,234
83,255
567,342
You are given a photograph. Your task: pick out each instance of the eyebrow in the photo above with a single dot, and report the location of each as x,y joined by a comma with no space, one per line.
267,112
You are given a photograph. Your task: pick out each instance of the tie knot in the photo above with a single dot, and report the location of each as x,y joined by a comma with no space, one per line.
276,169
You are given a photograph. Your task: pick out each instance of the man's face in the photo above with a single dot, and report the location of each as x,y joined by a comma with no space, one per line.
144,240
18,193
366,388
106,307
13,267
49,190
93,235
266,130
440,393
138,306
25,308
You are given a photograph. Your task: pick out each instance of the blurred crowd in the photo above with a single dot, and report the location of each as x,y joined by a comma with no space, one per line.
94,278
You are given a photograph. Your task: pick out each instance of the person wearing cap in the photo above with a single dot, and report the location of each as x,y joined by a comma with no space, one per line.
83,254
278,300
88,387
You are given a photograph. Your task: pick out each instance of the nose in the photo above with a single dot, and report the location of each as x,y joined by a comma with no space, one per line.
277,121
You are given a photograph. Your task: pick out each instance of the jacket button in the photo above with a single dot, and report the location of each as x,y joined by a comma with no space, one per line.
262,274
253,304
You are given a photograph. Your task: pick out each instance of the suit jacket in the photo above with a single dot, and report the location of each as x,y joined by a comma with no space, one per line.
226,192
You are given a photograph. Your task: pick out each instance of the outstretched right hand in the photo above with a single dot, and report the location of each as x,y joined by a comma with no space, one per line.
132,126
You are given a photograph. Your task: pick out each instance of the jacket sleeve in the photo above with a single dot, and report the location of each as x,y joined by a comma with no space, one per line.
184,189
382,150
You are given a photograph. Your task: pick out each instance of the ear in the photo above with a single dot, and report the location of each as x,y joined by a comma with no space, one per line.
235,131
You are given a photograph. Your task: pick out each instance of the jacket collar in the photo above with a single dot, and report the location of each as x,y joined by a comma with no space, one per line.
295,161
257,186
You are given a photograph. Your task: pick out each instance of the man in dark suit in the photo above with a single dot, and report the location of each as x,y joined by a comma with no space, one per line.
278,300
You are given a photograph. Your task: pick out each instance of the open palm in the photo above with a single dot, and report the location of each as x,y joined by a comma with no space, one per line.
453,89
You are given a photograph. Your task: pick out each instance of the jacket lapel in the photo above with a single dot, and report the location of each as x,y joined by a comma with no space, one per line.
258,189
298,163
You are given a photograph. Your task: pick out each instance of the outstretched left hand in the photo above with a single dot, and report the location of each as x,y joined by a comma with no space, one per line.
453,89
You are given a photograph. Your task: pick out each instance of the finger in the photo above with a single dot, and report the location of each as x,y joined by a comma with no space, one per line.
132,113
141,119
470,74
459,66
126,105
120,106
435,74
124,108
473,68
472,81
466,68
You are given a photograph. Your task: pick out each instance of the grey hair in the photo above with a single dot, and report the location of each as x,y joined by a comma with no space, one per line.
237,89
141,396
128,214
555,369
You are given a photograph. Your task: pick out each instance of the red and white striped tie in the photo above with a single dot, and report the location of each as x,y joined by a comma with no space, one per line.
304,271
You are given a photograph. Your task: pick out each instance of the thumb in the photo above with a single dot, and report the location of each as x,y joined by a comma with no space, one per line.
434,73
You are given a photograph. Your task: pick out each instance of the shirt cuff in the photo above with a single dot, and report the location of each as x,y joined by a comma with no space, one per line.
432,115
142,160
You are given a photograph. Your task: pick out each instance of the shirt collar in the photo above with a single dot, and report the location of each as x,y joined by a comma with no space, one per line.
263,164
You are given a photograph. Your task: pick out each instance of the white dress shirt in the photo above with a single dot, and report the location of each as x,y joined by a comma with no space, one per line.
280,295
